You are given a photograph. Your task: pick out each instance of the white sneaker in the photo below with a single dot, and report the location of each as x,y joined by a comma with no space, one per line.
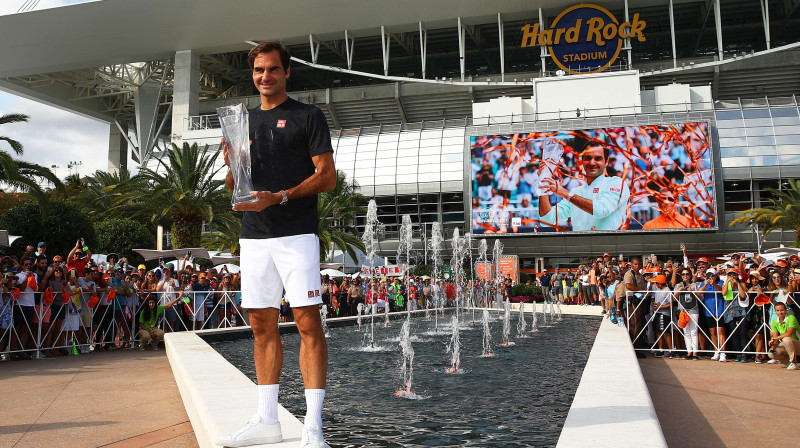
715,357
723,357
312,438
772,361
253,433
791,366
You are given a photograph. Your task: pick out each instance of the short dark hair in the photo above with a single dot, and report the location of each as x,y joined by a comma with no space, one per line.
268,46
780,304
584,142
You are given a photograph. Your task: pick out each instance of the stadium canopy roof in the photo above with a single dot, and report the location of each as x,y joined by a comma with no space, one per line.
122,31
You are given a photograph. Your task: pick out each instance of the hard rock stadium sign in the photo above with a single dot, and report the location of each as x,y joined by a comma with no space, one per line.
584,38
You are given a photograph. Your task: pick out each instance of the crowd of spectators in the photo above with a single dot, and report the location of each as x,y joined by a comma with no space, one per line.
743,306
54,305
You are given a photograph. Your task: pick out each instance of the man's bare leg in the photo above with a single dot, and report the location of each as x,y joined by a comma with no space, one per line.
267,349
313,347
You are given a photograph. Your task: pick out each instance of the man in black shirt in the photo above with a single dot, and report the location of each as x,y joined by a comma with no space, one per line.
291,163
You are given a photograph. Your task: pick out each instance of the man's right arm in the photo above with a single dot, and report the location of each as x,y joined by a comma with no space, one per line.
629,285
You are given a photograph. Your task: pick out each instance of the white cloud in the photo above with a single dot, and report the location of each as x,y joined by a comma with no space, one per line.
56,137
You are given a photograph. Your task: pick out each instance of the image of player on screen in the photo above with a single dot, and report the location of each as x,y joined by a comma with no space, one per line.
598,203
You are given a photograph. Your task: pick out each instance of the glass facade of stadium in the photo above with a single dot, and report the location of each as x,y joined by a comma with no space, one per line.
419,169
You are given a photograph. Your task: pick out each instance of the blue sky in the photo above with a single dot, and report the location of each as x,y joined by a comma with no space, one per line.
53,136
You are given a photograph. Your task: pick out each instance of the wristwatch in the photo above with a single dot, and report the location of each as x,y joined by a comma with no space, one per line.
285,197
570,195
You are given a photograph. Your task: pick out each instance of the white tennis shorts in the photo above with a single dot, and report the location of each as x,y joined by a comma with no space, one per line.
270,266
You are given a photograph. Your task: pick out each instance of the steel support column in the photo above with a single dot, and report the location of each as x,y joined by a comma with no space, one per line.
386,43
349,46
627,41
185,92
502,48
718,23
117,149
314,45
672,34
461,50
423,48
765,18
542,48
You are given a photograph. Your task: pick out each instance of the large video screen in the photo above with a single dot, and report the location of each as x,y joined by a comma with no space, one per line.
593,180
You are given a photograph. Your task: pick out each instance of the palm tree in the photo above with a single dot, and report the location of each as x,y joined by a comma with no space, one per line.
337,211
23,176
783,213
186,193
111,195
225,235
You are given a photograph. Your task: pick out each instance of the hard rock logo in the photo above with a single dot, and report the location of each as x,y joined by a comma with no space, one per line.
584,38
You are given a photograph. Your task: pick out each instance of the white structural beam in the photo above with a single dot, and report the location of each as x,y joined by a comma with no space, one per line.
386,42
502,47
349,47
461,48
542,48
765,18
627,40
672,34
314,45
423,47
718,23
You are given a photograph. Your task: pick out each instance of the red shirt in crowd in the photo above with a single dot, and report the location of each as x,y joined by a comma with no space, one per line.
79,264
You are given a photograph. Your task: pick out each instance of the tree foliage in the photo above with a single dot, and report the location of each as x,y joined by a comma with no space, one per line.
186,192
122,235
23,176
225,236
60,228
112,196
337,211
782,213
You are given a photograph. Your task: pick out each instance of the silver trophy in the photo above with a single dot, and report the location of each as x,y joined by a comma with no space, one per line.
236,131
552,151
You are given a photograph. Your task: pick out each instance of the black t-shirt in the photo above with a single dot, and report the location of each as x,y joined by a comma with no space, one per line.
545,280
284,141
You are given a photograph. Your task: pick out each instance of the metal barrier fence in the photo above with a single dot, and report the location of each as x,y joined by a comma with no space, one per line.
69,324
715,325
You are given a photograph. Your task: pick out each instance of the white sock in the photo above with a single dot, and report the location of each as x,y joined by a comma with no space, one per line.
268,403
314,399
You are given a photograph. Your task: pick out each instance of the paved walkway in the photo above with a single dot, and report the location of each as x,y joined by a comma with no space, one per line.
120,399
711,404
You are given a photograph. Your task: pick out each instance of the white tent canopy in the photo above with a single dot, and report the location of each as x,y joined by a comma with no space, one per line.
6,240
153,254
332,273
232,268
224,257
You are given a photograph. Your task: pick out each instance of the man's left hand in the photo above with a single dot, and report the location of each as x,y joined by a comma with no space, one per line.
265,199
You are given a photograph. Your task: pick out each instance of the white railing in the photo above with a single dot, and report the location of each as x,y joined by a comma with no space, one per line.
745,330
71,326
